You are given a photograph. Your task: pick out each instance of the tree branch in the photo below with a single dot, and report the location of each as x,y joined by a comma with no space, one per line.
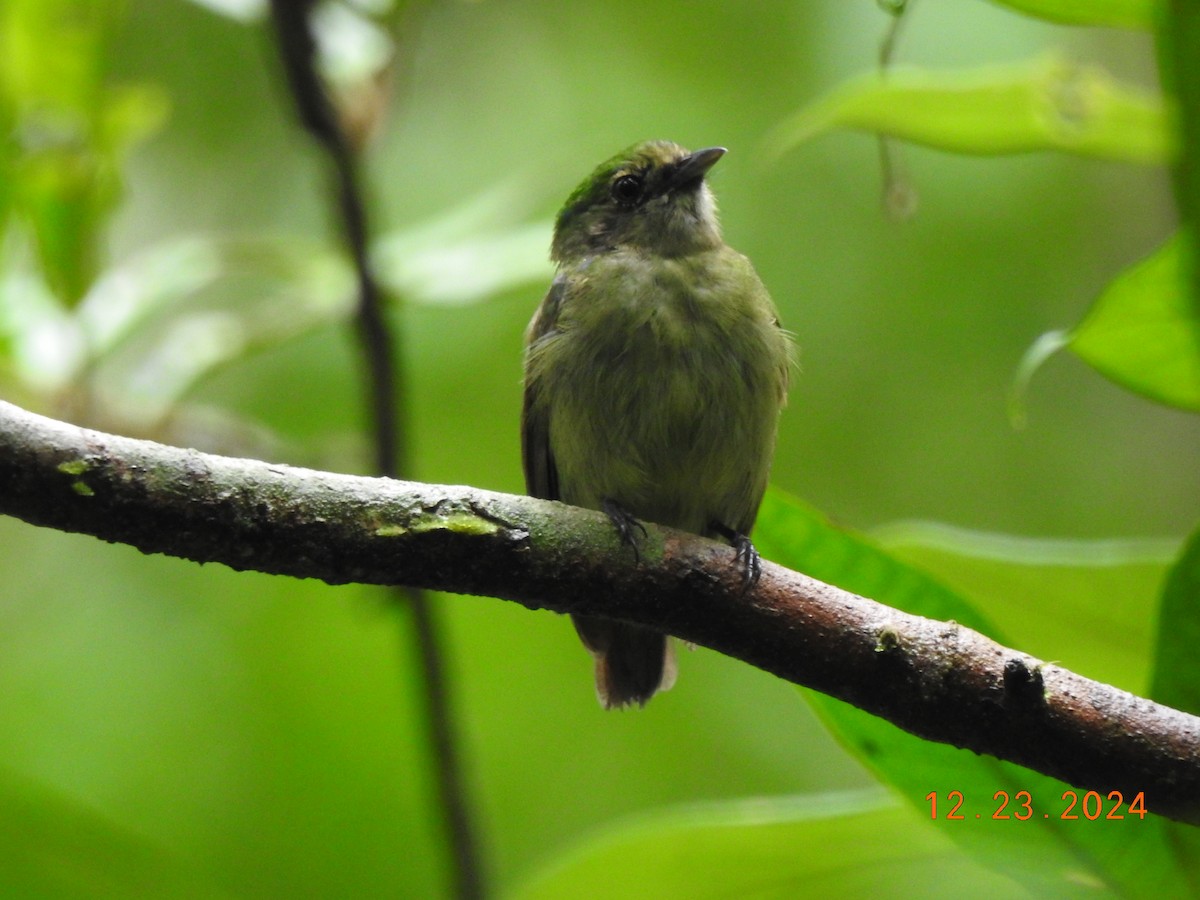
937,680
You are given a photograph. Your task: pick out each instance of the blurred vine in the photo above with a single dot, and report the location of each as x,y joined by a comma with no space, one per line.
899,195
385,387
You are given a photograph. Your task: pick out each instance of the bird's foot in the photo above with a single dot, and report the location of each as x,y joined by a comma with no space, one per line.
745,554
751,562
625,523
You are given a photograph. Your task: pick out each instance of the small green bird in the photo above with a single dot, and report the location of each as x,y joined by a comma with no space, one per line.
655,371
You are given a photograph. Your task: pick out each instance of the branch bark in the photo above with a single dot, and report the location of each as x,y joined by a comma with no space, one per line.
937,680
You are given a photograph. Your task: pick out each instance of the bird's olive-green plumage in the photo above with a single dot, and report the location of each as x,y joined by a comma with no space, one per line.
655,370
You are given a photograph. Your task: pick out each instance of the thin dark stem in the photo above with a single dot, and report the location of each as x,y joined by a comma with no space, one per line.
384,381
897,9
899,196
438,707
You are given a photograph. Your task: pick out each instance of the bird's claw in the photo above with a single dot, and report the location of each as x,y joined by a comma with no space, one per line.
625,523
751,563
745,555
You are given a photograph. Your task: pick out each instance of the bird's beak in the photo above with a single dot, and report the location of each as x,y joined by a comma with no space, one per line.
693,166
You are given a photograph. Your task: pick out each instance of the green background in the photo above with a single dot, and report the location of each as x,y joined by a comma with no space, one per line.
257,736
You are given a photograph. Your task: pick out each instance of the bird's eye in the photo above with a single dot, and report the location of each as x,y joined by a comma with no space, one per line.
627,189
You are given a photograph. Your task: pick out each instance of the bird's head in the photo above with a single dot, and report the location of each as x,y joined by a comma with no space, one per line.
651,197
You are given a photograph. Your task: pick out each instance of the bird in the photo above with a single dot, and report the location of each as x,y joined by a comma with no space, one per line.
655,371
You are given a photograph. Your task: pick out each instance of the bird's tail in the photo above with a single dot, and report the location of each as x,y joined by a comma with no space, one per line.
632,663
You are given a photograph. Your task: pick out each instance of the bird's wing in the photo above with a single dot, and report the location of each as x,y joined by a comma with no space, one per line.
541,474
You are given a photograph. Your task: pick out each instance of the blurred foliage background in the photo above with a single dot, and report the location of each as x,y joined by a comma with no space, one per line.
175,729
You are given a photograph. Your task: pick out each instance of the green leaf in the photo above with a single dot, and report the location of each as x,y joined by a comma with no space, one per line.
835,845
71,131
1139,14
468,254
1046,104
130,114
1177,667
1050,855
467,270
168,318
9,156
1087,604
245,11
1177,664
63,197
44,345
1143,333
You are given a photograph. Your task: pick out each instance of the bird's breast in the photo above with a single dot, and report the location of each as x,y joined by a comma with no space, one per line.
666,389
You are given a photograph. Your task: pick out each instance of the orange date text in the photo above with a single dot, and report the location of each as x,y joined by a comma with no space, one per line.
1090,805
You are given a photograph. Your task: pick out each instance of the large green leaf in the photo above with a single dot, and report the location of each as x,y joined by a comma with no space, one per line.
1177,668
168,318
836,845
1177,664
1117,13
1143,333
468,254
1045,104
72,130
160,323
1087,604
1046,852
